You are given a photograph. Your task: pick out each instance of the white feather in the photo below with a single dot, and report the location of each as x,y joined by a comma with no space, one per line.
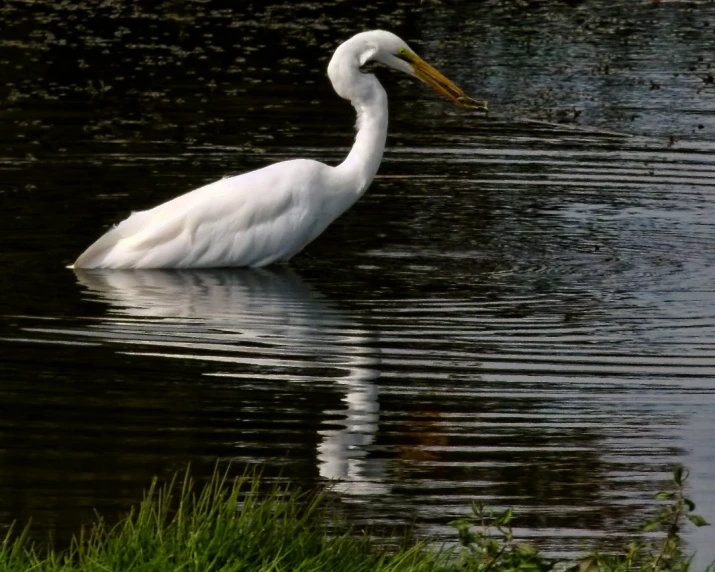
271,214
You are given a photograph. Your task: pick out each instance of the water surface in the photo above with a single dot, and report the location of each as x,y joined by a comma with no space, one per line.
521,310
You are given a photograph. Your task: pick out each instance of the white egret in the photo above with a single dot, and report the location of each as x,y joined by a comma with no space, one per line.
271,214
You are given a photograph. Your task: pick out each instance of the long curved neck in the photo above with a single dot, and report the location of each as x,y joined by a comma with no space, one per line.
361,164
356,172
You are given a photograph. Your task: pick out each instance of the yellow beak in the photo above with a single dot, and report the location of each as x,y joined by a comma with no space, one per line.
441,84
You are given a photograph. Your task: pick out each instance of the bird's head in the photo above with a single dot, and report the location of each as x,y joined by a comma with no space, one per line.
390,50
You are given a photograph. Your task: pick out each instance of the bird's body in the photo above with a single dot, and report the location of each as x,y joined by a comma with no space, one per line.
225,224
271,214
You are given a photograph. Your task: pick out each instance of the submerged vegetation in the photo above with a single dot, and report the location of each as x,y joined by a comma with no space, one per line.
231,525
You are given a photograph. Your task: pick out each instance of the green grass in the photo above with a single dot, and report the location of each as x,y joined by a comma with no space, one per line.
227,525
230,525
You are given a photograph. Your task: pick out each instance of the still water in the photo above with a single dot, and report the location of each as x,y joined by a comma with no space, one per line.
521,310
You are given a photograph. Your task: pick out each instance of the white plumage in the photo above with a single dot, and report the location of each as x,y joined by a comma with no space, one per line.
271,214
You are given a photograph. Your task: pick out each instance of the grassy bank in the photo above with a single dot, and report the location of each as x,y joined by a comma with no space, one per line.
228,525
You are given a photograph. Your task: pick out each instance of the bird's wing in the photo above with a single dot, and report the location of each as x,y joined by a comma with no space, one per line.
248,220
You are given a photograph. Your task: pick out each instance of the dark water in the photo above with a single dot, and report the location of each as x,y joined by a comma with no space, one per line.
521,310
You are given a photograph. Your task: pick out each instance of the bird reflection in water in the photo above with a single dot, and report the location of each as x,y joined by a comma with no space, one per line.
263,326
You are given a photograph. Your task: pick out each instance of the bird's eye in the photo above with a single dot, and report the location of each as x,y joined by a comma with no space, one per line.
402,53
